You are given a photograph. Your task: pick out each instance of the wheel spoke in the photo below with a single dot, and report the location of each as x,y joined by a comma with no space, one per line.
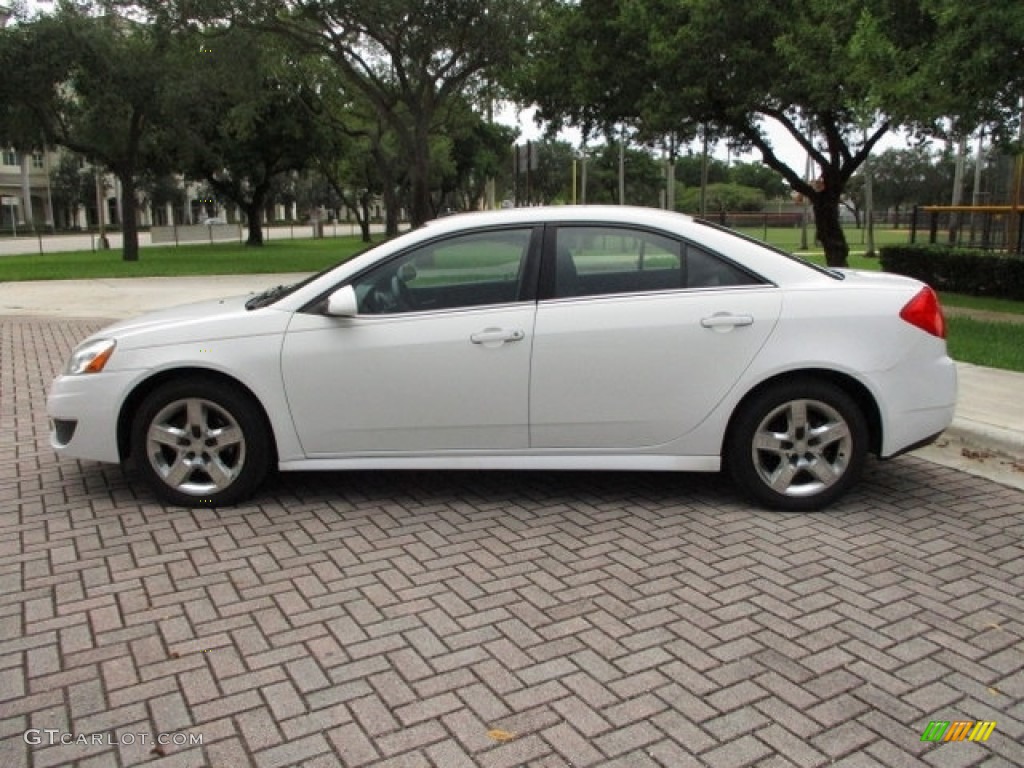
797,416
178,472
226,437
219,473
782,478
195,414
830,433
165,434
769,441
824,471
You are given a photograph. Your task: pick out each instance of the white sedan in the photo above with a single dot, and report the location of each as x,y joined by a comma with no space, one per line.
582,338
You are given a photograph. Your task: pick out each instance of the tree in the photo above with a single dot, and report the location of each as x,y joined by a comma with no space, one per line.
240,117
71,187
907,177
819,70
478,150
160,190
643,177
89,83
410,60
722,198
759,176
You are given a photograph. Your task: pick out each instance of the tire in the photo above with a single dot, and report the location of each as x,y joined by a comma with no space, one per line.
798,445
201,443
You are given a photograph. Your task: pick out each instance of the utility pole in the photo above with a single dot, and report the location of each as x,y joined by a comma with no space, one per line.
583,174
622,166
703,207
869,202
958,189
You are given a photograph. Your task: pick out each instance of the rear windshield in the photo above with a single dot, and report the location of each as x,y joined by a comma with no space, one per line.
834,274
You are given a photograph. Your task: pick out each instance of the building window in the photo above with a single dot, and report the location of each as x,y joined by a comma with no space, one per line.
37,160
10,157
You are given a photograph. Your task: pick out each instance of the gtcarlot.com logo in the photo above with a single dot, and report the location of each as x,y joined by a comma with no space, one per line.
958,730
51,737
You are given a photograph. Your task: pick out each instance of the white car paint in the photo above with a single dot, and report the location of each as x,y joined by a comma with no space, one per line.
433,389
624,381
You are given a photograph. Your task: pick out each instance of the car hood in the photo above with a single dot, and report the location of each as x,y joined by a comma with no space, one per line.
204,320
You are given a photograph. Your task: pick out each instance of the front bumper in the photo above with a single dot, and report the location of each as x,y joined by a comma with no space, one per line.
91,403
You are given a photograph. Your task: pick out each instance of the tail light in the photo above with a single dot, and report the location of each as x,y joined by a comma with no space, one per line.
924,312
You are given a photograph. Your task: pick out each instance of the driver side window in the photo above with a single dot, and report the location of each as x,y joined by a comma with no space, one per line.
463,271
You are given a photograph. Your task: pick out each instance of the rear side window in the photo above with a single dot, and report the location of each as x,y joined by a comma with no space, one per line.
707,270
596,260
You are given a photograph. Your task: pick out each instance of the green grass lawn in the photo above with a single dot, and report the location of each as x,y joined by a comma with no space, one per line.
992,344
788,238
995,344
159,261
983,303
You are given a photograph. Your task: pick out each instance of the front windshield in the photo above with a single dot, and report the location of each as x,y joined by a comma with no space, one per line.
278,292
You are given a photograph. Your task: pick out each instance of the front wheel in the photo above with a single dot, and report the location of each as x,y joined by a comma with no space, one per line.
200,443
798,446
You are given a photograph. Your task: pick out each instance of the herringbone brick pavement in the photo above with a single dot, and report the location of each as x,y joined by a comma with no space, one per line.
494,619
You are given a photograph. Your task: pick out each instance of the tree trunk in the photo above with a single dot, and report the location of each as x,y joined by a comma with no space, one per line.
419,181
829,229
364,220
129,217
253,210
390,208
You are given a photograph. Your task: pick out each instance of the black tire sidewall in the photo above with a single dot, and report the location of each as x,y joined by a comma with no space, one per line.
242,408
740,462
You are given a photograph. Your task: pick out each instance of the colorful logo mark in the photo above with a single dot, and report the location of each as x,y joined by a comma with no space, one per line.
958,730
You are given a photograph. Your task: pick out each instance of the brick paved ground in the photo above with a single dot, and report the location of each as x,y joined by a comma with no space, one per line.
496,619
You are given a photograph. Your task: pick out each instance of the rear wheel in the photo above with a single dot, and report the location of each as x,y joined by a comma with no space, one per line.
798,446
201,443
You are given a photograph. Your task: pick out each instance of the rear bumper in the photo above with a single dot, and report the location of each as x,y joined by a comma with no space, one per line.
914,446
919,404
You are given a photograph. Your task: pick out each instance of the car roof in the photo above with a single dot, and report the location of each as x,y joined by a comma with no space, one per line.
560,213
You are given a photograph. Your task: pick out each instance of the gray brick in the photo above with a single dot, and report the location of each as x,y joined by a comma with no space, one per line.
395,618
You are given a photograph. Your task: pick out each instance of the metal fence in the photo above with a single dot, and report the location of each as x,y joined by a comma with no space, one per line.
989,227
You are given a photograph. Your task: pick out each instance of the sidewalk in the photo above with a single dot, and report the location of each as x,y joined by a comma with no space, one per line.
986,437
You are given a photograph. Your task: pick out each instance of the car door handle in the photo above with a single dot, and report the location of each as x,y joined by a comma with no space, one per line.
726,320
496,336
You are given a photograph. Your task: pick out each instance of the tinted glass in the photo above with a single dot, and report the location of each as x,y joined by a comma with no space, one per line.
467,270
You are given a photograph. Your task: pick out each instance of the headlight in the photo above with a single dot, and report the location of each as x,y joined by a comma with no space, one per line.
90,357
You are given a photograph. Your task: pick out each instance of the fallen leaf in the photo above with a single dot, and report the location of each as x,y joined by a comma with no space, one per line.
499,735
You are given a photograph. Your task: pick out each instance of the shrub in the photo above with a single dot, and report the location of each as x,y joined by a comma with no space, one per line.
958,270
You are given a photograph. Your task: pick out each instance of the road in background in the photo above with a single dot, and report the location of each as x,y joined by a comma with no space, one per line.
38,243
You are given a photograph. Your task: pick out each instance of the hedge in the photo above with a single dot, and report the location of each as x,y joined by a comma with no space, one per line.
958,270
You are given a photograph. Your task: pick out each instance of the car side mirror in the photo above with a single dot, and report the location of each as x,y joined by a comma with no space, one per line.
343,302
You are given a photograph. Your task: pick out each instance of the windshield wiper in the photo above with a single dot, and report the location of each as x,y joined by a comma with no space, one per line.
268,296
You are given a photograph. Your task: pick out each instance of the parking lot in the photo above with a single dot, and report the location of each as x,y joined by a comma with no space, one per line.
495,619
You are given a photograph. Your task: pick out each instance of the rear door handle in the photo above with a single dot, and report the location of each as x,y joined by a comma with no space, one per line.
496,336
725,320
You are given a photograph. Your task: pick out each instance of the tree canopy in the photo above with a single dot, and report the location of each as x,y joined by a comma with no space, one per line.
238,117
90,84
835,76
412,61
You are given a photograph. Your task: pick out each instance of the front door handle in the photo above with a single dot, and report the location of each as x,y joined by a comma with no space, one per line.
496,336
725,321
